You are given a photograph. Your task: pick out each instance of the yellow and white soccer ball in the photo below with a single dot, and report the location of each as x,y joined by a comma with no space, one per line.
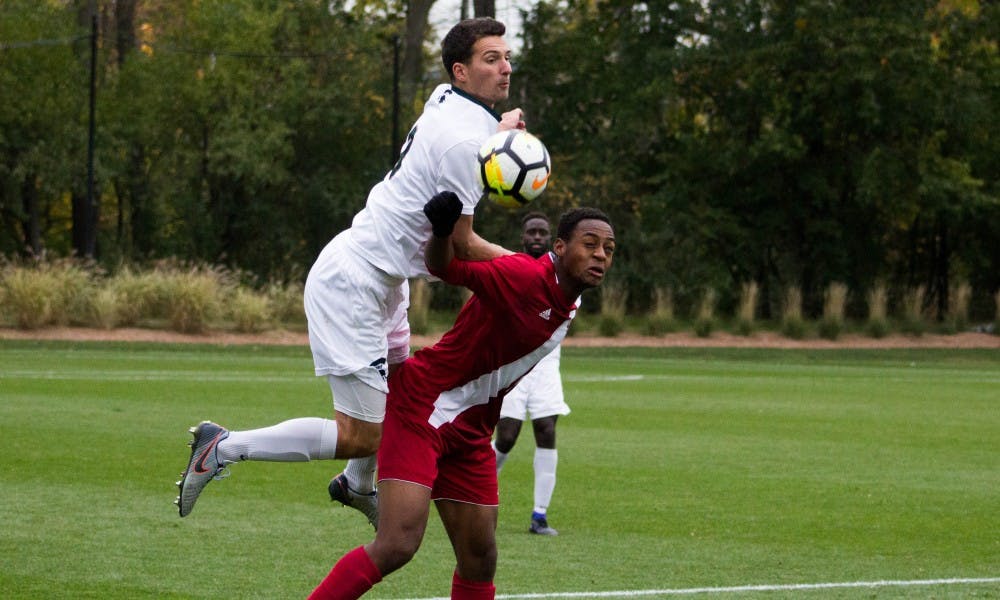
513,167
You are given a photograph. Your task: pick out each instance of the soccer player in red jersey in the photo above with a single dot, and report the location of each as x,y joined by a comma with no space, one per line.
444,401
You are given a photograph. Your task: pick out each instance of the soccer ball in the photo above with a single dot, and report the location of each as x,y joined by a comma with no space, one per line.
513,167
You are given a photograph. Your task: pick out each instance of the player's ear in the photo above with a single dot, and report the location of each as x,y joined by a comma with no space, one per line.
459,72
559,247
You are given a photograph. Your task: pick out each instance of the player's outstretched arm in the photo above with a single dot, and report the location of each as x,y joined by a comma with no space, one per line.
469,246
443,210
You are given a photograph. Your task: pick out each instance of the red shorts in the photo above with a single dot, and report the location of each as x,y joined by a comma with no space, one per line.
454,467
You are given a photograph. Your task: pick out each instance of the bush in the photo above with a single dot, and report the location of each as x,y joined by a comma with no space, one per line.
192,296
138,296
704,318
420,305
747,311
959,297
878,303
612,319
249,310
912,321
834,302
285,302
48,293
792,324
661,319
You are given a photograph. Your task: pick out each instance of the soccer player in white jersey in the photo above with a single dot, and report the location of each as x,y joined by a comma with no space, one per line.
356,294
540,396
445,400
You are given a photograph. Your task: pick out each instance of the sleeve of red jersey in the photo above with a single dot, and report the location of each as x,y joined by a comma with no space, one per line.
494,281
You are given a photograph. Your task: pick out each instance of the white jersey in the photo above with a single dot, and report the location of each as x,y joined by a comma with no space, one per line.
439,154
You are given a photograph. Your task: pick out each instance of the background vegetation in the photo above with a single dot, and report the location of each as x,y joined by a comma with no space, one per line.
766,144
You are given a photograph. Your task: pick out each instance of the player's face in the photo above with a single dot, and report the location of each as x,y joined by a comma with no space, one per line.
487,75
586,257
536,237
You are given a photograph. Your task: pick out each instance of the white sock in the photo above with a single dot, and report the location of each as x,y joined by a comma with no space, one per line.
360,473
545,477
501,456
296,440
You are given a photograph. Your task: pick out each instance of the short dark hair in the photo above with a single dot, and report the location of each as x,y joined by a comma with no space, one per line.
533,215
571,218
456,47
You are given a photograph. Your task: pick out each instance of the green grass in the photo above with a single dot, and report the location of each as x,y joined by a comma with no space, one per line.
679,468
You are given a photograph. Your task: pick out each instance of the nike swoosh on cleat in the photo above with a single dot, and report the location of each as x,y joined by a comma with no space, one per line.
537,183
199,467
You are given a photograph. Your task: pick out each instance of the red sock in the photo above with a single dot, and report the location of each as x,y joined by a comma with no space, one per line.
463,589
353,575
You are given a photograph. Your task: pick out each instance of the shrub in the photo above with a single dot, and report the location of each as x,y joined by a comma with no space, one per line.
249,310
138,296
792,324
192,297
878,303
958,307
913,321
747,310
105,308
704,318
661,319
420,306
612,319
996,315
48,293
834,302
285,302
27,297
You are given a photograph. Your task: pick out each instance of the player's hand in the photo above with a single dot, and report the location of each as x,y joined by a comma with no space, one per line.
512,119
443,211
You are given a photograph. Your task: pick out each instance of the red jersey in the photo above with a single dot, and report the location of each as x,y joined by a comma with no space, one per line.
517,316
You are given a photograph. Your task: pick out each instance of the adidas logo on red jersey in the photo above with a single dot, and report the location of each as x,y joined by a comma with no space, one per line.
546,314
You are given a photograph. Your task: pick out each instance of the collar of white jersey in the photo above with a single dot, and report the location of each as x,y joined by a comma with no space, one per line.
472,98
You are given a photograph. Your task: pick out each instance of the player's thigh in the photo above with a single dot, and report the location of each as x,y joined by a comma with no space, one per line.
403,511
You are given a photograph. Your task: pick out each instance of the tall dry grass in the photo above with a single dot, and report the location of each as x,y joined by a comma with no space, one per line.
792,324
704,317
660,319
612,318
959,297
878,311
746,312
834,306
420,306
913,320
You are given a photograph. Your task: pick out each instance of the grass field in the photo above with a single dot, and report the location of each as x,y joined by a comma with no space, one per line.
680,470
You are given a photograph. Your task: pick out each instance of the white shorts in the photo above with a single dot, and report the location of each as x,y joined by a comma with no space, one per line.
538,394
356,315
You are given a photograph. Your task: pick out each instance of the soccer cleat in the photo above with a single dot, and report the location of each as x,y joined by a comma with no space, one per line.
540,525
204,464
366,503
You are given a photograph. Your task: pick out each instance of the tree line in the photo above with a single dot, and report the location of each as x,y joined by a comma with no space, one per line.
780,143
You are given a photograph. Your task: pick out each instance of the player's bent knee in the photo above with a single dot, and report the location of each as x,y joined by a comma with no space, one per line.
390,555
476,566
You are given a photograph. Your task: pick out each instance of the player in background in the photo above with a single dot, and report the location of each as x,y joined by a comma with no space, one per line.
540,395
444,401
356,294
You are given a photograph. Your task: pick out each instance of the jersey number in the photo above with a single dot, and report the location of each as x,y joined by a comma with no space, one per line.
402,153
